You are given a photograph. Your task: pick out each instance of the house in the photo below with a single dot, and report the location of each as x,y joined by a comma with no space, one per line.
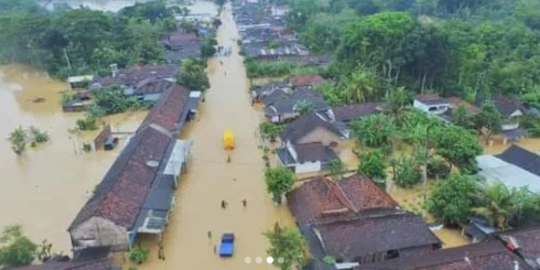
355,222
306,157
90,259
455,102
515,167
282,106
79,82
261,92
180,45
137,193
490,255
311,128
526,243
347,113
478,230
147,82
511,110
432,104
305,80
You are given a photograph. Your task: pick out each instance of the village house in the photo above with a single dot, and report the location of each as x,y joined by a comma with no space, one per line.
79,82
516,168
478,229
305,80
180,45
454,103
89,259
306,144
355,222
431,104
281,106
146,82
137,193
511,111
261,92
490,255
348,113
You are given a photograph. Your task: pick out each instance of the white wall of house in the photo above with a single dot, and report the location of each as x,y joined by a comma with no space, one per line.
151,97
433,109
308,167
291,150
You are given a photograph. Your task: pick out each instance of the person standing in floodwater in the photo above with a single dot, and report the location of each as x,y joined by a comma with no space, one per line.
244,203
209,234
223,204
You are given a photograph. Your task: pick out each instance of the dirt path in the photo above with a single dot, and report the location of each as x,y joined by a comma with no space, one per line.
211,179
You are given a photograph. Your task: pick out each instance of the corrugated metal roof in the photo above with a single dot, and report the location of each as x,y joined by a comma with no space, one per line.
495,169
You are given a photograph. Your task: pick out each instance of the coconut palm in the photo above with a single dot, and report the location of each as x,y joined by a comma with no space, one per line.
18,139
497,205
360,85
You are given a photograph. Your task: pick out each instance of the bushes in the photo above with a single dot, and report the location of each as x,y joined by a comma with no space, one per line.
373,130
373,166
270,130
113,100
257,69
407,172
139,255
437,169
88,123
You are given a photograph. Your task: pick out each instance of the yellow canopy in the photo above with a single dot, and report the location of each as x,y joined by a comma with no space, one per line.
228,140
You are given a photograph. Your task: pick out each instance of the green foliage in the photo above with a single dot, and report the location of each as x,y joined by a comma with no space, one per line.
437,169
458,146
304,107
279,181
66,97
193,75
362,85
528,208
113,100
531,124
414,126
374,130
329,260
337,169
87,148
461,117
287,243
407,171
451,200
497,205
270,130
372,164
489,119
18,139
258,69
15,248
38,136
44,251
331,93
139,254
153,11
397,103
208,48
88,123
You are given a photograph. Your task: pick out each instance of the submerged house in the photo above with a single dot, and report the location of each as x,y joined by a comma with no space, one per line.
282,105
348,113
511,111
306,144
432,104
137,193
180,45
516,168
89,259
355,222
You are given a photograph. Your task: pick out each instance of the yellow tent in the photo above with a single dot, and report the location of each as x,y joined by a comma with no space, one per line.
228,140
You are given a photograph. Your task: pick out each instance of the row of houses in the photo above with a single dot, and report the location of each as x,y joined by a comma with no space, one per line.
353,224
265,37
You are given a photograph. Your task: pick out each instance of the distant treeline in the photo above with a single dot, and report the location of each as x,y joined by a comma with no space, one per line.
81,41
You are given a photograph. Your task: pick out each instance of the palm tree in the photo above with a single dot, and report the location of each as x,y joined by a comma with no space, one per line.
360,86
497,207
396,103
18,140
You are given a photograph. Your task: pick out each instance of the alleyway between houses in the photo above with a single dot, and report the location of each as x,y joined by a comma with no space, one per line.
210,179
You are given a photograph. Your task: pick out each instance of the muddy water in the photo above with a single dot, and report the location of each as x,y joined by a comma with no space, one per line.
211,179
531,144
45,187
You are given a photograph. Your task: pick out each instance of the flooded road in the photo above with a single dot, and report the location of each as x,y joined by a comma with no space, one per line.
211,179
45,187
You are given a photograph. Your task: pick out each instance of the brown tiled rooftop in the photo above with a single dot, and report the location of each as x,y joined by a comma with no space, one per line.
305,80
323,200
169,110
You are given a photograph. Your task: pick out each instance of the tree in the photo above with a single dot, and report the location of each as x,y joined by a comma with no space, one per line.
15,248
289,245
337,169
497,205
18,139
373,166
361,85
396,103
373,130
451,200
458,146
304,107
407,172
461,117
270,130
139,255
193,75
489,119
279,181
208,48
113,100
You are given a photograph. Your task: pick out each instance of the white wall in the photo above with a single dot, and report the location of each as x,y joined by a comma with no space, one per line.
436,109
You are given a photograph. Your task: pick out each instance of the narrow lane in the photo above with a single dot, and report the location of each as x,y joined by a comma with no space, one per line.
211,179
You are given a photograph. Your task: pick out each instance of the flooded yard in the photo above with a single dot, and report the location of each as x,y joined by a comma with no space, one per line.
45,187
210,179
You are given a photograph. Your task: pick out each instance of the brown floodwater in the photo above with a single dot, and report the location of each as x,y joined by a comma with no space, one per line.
44,188
210,179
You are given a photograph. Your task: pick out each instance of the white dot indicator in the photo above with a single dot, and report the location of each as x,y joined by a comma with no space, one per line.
247,260
280,260
269,260
258,260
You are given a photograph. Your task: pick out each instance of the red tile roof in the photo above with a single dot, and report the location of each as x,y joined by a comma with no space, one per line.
491,255
121,194
321,199
305,80
170,110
